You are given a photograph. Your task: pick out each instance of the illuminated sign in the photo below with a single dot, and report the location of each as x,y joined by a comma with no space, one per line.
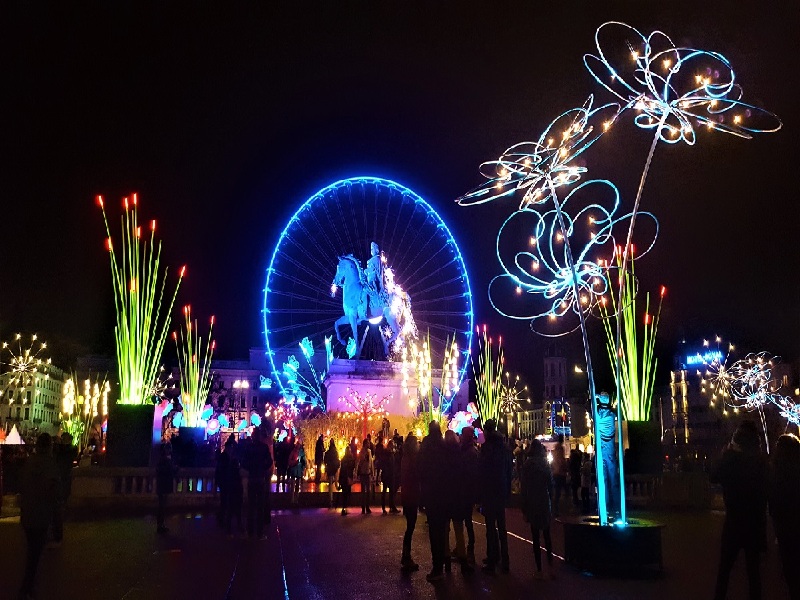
705,358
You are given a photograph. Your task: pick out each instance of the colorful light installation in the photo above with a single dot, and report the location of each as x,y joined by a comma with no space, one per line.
141,329
194,362
637,370
24,362
670,89
364,407
307,390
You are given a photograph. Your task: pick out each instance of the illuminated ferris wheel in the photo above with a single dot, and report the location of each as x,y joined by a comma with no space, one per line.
344,218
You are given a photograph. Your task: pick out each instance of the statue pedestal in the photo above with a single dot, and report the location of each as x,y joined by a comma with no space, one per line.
382,378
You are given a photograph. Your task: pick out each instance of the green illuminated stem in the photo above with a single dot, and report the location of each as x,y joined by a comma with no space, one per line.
140,331
194,362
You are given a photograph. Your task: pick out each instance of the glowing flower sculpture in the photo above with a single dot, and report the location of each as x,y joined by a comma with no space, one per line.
673,88
307,390
561,274
540,167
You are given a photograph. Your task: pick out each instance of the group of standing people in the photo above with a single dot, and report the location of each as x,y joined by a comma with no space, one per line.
45,488
752,487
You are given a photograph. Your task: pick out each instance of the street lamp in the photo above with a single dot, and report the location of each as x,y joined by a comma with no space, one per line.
242,385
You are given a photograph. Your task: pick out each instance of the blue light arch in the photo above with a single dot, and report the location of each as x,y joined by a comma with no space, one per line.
302,230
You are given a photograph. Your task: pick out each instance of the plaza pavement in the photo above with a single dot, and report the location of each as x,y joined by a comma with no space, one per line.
317,554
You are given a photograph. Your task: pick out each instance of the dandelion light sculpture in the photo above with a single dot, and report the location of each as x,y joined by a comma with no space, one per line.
194,362
143,312
24,360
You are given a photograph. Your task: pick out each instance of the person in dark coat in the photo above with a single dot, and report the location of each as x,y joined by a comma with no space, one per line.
319,458
470,486
784,500
332,464
575,463
742,472
65,455
457,492
234,486
537,497
364,472
221,478
436,489
40,494
495,465
389,477
346,474
165,481
282,451
258,462
410,495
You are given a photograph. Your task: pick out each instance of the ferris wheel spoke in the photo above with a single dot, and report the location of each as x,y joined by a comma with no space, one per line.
303,248
331,249
315,276
304,284
312,239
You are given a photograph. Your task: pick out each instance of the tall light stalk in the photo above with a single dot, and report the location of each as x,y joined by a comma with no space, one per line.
141,328
194,362
598,463
637,369
488,376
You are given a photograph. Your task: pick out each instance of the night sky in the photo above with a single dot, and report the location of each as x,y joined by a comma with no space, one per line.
224,123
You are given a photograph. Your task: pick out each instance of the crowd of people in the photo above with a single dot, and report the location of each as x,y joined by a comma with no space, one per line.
444,476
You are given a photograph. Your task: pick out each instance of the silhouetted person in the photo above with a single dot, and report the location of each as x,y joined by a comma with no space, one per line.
165,479
332,464
233,483
364,472
65,454
346,474
434,480
40,492
495,465
319,458
389,477
410,495
784,501
575,463
258,462
221,478
537,496
742,472
470,486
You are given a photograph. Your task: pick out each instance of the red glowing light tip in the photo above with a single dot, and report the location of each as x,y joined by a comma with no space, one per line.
663,291
153,225
212,320
135,199
183,271
100,201
125,202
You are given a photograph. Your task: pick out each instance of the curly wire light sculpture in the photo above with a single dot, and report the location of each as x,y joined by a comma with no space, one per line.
542,270
540,167
673,87
669,86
